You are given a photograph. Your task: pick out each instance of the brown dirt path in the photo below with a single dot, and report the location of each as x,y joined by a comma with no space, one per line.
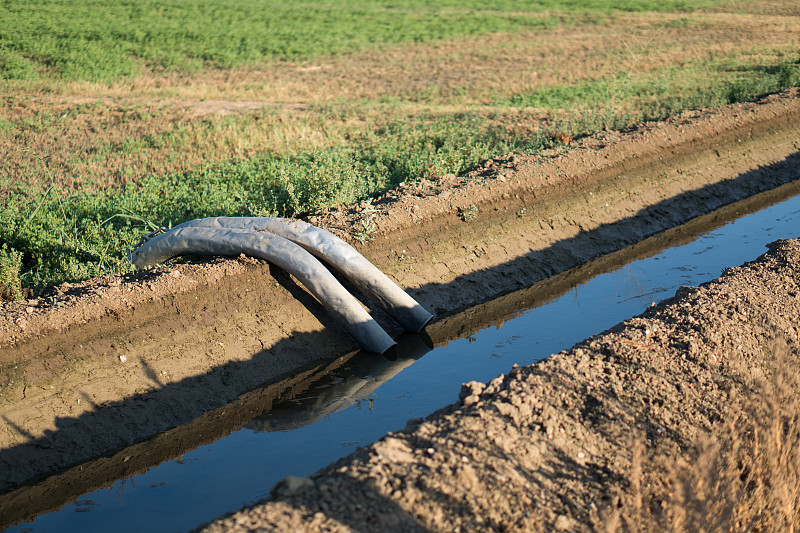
557,446
94,367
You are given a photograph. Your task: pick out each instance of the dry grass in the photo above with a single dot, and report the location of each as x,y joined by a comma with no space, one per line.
762,7
105,134
746,477
105,143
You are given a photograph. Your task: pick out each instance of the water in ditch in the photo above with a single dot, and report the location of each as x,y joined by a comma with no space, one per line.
371,395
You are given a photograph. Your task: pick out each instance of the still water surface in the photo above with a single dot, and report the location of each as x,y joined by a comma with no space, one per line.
347,411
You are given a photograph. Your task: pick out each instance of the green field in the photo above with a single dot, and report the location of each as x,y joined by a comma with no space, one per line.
96,39
104,133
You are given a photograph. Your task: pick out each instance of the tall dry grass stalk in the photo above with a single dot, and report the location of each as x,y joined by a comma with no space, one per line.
745,477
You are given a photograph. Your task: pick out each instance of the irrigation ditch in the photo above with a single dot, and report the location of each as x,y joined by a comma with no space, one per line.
109,377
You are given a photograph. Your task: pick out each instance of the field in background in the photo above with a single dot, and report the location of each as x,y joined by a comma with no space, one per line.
118,117
102,39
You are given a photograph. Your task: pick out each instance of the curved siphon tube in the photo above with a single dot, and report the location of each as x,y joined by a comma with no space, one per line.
278,251
347,260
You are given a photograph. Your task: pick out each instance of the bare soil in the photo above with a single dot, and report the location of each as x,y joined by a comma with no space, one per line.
91,369
556,446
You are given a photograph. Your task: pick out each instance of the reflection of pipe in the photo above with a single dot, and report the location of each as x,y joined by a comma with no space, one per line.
343,257
279,251
336,393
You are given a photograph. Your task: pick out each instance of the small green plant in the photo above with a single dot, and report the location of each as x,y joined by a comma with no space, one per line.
10,266
469,214
5,125
364,234
368,226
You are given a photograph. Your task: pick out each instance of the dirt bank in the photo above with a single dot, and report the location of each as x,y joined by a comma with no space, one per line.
553,446
30,501
92,368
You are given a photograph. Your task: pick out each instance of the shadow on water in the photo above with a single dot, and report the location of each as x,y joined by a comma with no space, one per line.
315,391
339,390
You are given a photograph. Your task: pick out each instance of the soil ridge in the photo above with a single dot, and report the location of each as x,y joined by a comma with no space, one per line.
549,447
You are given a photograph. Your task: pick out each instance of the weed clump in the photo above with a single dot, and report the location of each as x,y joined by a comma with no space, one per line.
10,266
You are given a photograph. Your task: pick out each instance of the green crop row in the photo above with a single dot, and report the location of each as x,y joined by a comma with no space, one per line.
622,99
108,39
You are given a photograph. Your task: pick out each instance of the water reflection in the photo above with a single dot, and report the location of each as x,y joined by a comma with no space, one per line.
356,382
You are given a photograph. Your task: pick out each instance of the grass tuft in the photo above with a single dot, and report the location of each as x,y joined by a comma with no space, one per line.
10,266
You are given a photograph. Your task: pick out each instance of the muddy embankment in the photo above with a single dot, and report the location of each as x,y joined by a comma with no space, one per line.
94,368
552,446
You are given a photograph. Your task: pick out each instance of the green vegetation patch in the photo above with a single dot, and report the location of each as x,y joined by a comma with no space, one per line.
75,236
336,153
106,39
10,266
616,102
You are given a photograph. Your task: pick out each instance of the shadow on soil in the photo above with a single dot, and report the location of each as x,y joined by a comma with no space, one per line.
60,454
669,213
